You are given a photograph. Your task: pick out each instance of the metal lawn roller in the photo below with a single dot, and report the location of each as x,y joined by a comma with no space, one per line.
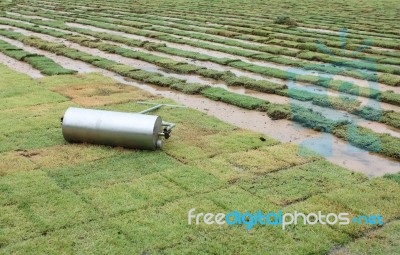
129,130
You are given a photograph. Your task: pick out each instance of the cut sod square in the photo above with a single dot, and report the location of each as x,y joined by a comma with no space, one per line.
238,140
42,201
231,240
193,179
66,155
208,146
14,81
16,85
11,162
15,226
308,239
301,182
220,167
100,94
267,239
74,80
90,238
378,196
320,203
235,198
126,167
150,190
255,162
184,151
91,90
156,228
32,127
33,96
192,133
291,153
385,240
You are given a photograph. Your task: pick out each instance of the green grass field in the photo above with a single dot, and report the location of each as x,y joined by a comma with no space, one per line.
62,198
66,198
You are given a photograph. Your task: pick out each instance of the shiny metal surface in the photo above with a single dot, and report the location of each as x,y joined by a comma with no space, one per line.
130,130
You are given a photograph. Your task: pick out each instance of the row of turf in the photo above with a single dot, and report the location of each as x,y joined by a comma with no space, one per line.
346,87
385,57
228,11
301,13
271,54
271,27
257,25
203,27
336,66
233,28
341,103
382,143
43,64
340,15
303,43
332,21
196,19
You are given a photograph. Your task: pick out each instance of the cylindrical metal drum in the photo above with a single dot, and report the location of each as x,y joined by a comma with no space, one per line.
130,130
